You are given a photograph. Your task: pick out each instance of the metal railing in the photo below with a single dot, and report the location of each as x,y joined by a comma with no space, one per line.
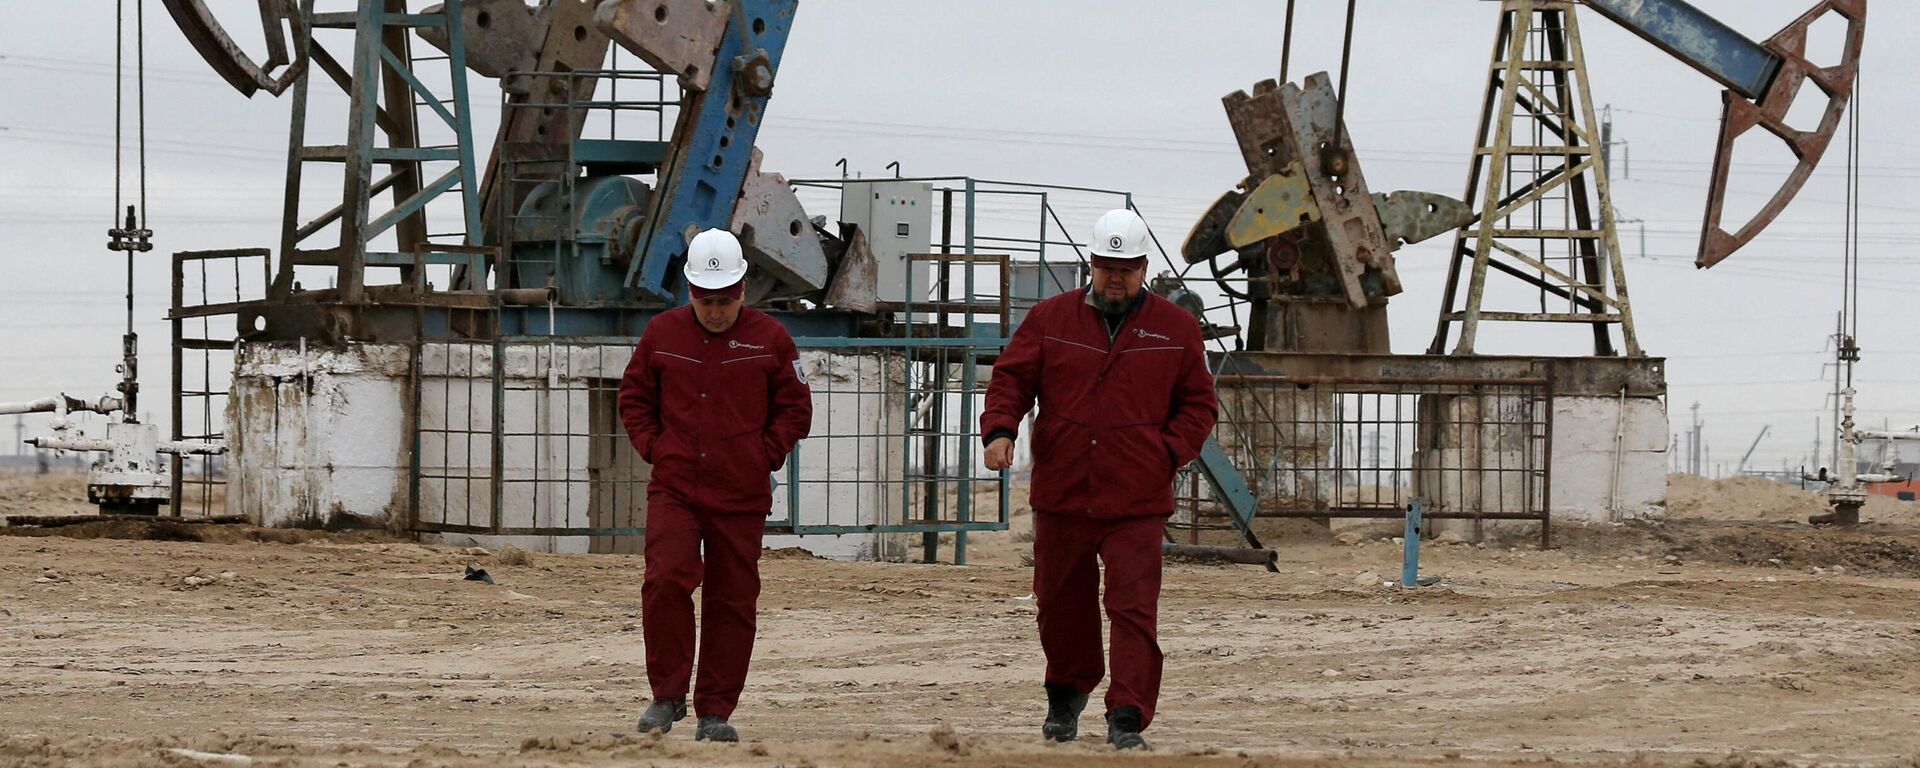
1323,447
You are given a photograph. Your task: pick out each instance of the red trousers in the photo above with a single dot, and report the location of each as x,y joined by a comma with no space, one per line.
731,574
1066,583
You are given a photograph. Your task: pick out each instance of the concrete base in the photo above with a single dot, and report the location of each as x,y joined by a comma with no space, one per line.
1302,325
1475,452
1597,478
327,437
1609,463
1608,441
319,436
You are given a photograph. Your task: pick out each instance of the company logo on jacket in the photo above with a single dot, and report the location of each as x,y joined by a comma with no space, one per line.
1146,334
738,344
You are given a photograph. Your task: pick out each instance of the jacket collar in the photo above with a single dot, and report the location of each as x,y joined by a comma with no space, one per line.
1086,297
747,316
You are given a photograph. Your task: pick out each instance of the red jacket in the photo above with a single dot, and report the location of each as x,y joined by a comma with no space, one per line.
715,413
1118,417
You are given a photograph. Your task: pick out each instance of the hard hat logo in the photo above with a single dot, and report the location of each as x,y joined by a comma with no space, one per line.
714,264
1115,242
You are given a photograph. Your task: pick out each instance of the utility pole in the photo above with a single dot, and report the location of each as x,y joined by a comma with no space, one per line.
1694,463
1815,459
1626,171
19,435
1641,224
1606,152
1839,366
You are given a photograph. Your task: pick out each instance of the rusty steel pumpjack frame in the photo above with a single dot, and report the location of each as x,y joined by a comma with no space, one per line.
1303,211
1763,81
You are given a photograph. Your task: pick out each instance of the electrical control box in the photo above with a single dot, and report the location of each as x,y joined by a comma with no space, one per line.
1033,282
898,219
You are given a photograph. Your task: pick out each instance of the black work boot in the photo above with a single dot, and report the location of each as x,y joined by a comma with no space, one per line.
1123,729
1063,713
662,714
715,729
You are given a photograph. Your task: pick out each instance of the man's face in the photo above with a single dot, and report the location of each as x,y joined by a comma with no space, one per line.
717,313
1119,284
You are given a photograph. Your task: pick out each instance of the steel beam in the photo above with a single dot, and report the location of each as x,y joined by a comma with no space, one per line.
1701,41
713,139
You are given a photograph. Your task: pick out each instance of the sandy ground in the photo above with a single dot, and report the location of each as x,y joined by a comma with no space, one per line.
1753,498
1693,642
56,494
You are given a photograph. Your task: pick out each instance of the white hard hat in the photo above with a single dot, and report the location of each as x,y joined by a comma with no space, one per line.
1119,234
714,260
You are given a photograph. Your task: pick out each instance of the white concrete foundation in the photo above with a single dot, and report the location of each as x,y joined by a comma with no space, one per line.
1587,462
317,436
1286,437
324,436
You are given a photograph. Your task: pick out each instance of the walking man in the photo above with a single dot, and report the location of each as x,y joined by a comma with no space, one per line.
714,400
1125,400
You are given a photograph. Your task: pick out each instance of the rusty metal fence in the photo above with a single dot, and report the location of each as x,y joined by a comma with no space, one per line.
1309,447
207,286
522,437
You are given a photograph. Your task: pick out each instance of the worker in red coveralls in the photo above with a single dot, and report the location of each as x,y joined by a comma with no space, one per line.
1125,400
714,399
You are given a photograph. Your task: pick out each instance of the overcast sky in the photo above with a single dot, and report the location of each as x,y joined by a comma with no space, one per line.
1109,93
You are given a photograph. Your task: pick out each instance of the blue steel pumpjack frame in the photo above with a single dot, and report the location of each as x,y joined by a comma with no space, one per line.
712,145
372,55
705,163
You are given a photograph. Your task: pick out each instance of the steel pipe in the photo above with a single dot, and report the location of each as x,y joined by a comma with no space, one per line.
526,297
106,404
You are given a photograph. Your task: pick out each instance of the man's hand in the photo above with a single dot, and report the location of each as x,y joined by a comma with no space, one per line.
999,454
